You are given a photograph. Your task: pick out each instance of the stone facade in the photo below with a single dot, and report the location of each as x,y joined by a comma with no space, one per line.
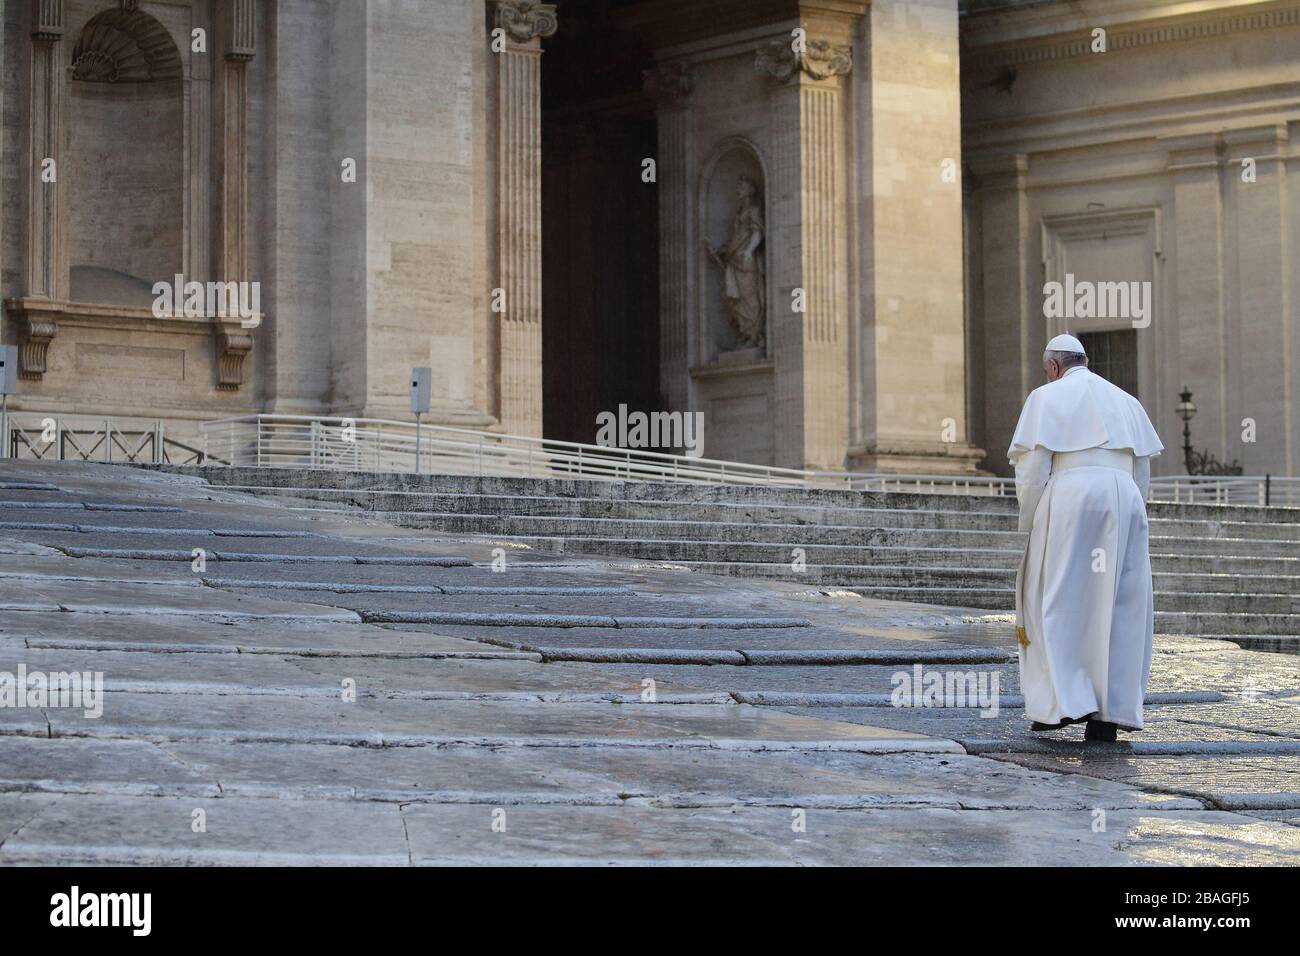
1163,159
840,246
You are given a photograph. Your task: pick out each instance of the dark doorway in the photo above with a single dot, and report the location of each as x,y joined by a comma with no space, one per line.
600,239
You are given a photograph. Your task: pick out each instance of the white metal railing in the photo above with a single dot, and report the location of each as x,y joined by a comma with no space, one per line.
381,445
36,436
1259,490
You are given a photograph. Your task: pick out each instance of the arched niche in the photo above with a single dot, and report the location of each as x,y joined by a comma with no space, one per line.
125,170
735,160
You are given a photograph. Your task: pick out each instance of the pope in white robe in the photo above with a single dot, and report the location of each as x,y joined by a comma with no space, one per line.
1082,453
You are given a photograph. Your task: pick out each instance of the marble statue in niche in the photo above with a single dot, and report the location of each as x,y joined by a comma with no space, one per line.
744,286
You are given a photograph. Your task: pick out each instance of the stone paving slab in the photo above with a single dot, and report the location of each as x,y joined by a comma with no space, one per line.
815,641
398,722
1239,676
1279,718
159,831
180,545
292,675
1230,783
86,765
234,636
91,829
921,837
87,597
561,777
13,546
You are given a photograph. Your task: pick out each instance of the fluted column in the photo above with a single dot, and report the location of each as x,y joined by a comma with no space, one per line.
808,208
239,46
671,86
46,269
519,210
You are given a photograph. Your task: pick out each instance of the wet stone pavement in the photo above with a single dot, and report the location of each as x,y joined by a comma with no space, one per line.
285,685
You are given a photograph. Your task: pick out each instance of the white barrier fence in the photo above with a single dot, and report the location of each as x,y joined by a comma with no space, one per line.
377,445
34,436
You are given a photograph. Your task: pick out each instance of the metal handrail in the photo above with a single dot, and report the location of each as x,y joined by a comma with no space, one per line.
389,445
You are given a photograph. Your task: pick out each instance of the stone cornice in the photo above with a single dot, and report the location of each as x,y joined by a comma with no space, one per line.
525,20
820,60
670,23
1075,40
669,84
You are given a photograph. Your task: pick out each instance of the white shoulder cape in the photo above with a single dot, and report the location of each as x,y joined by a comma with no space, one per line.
1082,410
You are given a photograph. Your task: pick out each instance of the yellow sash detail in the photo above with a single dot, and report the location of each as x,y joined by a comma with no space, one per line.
1021,636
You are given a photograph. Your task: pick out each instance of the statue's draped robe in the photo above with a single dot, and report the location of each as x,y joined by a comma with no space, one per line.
1082,453
743,282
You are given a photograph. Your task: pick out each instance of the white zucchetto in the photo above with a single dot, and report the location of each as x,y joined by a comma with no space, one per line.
1065,343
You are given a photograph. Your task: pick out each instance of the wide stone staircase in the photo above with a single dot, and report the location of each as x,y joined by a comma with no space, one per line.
1226,572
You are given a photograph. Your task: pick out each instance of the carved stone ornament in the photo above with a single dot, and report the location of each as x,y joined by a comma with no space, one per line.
233,346
669,85
36,344
819,60
524,19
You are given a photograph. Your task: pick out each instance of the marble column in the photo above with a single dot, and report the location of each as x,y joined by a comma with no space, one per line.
671,85
808,225
519,210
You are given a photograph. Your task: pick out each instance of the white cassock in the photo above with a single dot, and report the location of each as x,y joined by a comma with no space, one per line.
1082,453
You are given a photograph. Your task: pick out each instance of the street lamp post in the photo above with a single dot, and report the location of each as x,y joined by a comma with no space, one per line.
1186,411
1199,462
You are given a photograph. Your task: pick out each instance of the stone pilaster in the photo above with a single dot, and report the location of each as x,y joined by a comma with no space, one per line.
1009,324
198,159
1267,383
47,271
238,41
1201,332
519,210
910,283
808,226
671,86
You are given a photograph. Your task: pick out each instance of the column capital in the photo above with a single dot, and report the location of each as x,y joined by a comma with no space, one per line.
47,20
669,84
525,20
818,60
241,35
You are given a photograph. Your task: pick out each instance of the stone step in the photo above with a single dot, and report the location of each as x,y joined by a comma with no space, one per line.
788,536
854,576
1202,622
406,507
389,505
690,553
1003,598
296,479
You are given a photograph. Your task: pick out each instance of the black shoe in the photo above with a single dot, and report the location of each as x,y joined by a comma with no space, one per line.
1066,722
1102,731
